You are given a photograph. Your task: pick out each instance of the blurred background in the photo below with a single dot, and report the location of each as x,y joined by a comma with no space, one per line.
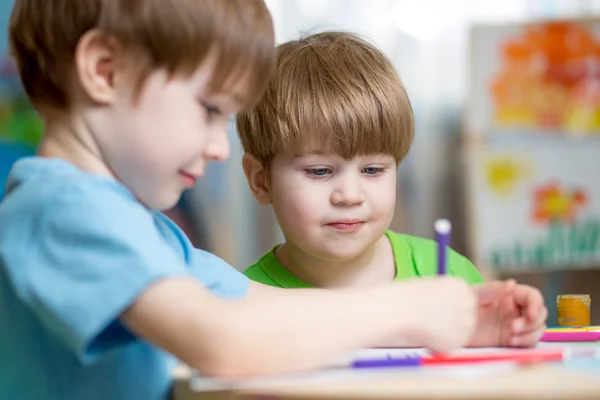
507,104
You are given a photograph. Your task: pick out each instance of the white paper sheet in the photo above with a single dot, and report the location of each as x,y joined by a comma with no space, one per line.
339,370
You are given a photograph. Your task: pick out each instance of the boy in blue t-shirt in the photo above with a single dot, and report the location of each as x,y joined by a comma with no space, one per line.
99,292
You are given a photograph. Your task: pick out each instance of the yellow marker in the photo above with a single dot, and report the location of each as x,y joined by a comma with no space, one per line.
573,310
575,329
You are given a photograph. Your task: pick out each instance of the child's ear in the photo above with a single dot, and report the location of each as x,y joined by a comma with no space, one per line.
256,174
96,66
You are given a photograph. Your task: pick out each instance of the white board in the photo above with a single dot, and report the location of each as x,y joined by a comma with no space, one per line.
536,204
533,145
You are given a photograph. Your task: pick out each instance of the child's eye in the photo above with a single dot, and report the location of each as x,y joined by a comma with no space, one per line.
373,171
211,111
318,172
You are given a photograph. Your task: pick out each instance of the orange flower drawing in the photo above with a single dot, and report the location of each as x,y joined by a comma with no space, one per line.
553,203
548,79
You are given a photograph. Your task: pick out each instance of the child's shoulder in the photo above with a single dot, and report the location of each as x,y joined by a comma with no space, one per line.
269,271
52,199
413,241
422,248
260,270
57,217
38,185
421,254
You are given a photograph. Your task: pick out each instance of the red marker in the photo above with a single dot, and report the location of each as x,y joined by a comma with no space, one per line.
526,356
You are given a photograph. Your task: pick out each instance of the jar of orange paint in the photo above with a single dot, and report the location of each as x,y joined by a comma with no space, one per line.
573,309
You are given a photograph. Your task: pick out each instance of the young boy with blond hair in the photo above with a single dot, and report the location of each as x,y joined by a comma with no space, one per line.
100,293
322,147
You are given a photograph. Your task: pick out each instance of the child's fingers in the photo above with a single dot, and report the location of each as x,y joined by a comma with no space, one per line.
508,308
536,311
528,338
523,324
530,299
491,292
539,317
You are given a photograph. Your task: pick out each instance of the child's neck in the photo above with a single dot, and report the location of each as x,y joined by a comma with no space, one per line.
68,139
373,266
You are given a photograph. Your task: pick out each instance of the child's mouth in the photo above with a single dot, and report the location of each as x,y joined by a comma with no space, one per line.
346,226
189,180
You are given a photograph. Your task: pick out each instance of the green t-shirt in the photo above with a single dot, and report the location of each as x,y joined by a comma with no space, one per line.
414,257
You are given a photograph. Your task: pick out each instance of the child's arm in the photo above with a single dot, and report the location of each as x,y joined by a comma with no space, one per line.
277,330
106,259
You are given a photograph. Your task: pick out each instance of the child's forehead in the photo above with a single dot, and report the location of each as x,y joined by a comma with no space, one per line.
235,86
222,75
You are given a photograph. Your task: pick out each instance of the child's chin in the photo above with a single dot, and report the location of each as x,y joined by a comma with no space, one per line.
164,202
340,254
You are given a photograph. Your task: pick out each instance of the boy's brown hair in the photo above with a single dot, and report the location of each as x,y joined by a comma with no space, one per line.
173,34
335,90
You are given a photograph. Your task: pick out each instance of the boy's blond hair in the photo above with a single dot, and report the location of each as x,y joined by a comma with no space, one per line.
172,34
330,89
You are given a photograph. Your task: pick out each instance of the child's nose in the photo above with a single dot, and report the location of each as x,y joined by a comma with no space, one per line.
348,192
217,149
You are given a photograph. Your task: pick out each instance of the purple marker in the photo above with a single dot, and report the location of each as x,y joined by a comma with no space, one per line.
442,237
409,361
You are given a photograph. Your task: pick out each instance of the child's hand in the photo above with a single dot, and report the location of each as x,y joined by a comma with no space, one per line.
508,315
446,314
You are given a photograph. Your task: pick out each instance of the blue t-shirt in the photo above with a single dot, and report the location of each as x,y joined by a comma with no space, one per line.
76,250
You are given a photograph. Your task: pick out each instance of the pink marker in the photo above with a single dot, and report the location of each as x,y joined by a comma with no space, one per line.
582,336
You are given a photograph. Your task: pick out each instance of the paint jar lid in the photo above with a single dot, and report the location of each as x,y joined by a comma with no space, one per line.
583,297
